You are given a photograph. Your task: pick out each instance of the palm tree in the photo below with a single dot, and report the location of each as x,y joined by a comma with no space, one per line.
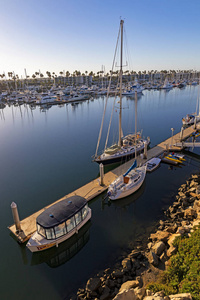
67,73
10,74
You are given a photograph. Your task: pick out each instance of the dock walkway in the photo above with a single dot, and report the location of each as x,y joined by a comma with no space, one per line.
93,188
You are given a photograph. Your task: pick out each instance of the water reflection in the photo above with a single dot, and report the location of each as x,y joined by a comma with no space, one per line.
125,202
56,257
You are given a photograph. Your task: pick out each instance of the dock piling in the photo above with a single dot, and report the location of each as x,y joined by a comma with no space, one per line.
181,134
145,150
195,122
16,217
101,174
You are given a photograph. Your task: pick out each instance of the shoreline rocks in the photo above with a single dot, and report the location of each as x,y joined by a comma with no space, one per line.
144,265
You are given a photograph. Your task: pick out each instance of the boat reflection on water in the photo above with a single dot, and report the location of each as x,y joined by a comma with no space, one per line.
130,199
57,256
124,202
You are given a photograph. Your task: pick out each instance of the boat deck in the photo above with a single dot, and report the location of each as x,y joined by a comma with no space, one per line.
93,188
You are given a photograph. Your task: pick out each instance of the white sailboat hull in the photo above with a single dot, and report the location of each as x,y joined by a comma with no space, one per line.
119,189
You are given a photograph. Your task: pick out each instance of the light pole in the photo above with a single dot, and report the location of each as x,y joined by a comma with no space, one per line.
172,129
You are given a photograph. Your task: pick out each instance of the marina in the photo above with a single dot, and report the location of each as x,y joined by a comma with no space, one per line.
39,175
95,188
99,149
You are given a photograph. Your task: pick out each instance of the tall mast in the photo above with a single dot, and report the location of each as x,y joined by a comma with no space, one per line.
135,124
120,74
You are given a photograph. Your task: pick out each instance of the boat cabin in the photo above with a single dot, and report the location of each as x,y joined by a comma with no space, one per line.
62,217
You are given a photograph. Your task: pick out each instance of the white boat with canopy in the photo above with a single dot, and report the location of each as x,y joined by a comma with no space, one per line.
127,145
59,222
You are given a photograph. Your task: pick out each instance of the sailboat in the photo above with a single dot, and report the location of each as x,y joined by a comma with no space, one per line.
167,85
127,145
131,181
191,119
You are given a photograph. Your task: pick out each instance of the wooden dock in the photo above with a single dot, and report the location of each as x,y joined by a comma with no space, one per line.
93,188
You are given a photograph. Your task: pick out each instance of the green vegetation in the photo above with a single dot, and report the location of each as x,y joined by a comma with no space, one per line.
183,272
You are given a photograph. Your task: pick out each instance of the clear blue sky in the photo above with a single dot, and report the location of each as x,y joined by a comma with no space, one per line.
81,35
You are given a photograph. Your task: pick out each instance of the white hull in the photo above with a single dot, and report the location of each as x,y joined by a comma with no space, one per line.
153,164
39,243
118,189
78,98
190,121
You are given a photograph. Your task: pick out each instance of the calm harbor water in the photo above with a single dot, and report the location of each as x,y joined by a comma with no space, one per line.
47,154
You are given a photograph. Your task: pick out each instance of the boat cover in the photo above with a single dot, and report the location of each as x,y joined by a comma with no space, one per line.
134,165
61,211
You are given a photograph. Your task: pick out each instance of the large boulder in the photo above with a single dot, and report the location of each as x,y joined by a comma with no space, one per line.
158,248
190,213
160,236
196,223
171,251
131,284
140,292
126,263
126,295
105,294
172,238
185,296
117,273
153,259
93,284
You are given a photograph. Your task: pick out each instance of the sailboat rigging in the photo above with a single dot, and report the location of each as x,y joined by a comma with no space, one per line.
127,145
191,119
132,179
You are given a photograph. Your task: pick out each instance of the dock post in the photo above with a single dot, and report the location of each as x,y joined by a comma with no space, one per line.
145,150
167,147
172,129
195,122
181,134
101,174
16,216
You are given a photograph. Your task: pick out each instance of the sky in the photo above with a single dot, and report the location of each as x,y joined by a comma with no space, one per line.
69,35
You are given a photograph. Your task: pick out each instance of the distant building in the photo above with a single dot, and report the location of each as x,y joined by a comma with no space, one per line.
75,80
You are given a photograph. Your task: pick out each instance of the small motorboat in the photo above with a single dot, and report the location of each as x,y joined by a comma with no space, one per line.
153,164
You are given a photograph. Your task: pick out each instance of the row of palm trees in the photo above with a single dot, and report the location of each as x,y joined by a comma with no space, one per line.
172,74
12,75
